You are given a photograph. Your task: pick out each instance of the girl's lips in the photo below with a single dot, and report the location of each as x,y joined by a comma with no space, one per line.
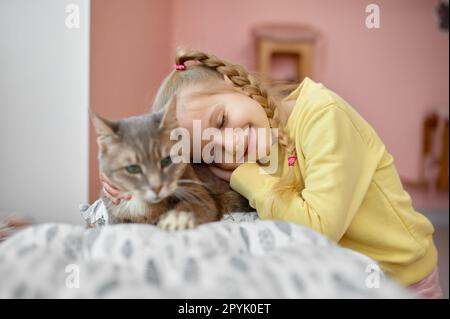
247,141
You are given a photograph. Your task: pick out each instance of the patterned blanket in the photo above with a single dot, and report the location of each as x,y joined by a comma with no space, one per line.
237,257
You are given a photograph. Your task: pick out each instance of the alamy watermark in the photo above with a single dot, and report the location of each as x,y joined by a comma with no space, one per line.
231,145
375,276
72,20
373,17
73,277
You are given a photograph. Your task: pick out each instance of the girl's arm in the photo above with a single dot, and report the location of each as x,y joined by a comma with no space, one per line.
339,167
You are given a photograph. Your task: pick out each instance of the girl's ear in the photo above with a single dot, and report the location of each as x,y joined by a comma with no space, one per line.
102,126
169,119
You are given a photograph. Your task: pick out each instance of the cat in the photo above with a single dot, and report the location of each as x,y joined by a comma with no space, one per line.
134,155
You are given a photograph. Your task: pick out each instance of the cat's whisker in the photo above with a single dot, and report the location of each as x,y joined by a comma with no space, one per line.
198,198
182,195
188,199
189,195
191,181
191,191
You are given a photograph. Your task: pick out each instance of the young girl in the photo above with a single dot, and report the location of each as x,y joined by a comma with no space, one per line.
334,173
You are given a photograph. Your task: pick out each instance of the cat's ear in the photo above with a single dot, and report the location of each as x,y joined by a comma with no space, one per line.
169,119
102,126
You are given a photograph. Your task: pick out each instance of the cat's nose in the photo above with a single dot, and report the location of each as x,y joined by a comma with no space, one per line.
156,189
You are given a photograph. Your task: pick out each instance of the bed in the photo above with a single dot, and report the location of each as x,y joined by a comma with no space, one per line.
240,256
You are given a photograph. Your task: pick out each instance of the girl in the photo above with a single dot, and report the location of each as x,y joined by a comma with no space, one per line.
334,173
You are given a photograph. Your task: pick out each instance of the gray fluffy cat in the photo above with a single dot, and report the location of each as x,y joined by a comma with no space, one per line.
134,155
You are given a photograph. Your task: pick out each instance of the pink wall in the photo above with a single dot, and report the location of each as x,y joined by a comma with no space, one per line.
391,75
130,55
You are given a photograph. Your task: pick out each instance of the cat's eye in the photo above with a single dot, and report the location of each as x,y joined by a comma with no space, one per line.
166,161
133,169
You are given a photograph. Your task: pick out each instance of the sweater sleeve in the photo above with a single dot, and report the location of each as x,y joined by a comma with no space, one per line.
339,167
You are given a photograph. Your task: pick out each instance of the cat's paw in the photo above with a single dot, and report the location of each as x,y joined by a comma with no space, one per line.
176,220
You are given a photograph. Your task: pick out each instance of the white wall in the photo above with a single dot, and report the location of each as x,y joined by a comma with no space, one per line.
43,110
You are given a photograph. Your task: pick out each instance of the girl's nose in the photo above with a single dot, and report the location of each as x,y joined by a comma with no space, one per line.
235,142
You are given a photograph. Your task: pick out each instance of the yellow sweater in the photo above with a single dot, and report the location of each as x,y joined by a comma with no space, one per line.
349,188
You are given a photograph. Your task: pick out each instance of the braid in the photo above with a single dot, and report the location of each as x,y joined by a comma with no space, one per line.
252,87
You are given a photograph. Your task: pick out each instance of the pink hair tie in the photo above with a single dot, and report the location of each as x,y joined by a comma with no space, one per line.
179,67
291,160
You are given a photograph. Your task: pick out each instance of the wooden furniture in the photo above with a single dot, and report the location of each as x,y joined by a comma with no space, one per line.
442,182
289,40
435,148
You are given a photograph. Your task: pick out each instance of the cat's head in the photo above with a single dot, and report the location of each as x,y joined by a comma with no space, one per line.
135,153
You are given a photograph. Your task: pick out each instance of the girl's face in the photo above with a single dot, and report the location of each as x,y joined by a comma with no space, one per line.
231,110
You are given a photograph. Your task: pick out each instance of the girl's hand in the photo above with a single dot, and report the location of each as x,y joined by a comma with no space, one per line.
221,173
114,193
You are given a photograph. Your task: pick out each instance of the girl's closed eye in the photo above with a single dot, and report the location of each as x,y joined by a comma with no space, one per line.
222,120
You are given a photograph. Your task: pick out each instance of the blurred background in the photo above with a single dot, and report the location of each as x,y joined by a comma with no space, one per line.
388,59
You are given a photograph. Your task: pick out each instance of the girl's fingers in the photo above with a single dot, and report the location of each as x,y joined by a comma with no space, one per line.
114,200
112,191
103,177
127,196
106,180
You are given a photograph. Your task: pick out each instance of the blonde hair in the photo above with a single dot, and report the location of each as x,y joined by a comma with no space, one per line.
211,69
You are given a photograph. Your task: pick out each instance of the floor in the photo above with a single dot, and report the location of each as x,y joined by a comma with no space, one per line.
435,205
441,241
